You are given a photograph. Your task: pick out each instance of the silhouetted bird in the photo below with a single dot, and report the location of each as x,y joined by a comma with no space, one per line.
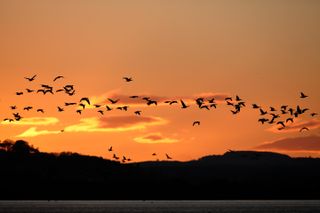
8,119
110,149
184,106
228,98
97,105
134,96
115,157
85,99
69,103
213,105
289,119
171,102
263,120
31,79
196,123
58,77
235,111
19,93
284,107
229,103
168,157
100,111
47,86
137,112
238,98
211,101
304,128
154,154
263,112
150,102
313,114
60,109
113,101
29,90
127,79
108,108
302,95
27,108
205,107
13,107
79,111
281,123
272,109
255,106
40,110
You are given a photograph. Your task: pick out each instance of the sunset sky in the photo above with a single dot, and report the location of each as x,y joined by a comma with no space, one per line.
266,52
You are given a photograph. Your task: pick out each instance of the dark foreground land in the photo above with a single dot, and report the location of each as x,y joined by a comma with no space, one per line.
27,174
221,206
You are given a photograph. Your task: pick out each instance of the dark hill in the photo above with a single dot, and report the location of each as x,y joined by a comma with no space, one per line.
27,173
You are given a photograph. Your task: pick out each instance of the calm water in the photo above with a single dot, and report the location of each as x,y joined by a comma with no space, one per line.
160,206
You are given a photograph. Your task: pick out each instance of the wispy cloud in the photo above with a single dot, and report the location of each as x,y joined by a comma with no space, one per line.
33,121
155,138
33,132
115,124
309,143
296,126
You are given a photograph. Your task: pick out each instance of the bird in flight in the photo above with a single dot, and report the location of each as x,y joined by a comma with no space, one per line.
110,149
31,78
304,128
60,109
58,77
184,106
168,157
19,93
138,112
263,120
85,99
100,111
196,123
302,95
40,110
134,96
79,111
154,154
113,101
314,114
13,107
29,90
127,79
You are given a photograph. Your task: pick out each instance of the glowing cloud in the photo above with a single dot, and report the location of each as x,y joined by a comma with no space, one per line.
155,138
309,143
34,121
115,124
33,132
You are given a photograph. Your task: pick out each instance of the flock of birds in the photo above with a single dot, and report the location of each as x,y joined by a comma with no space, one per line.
282,117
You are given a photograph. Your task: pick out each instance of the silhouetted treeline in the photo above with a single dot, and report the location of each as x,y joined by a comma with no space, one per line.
27,173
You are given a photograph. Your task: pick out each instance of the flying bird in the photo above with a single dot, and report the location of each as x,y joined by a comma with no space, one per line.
27,108
154,154
255,106
29,90
302,95
82,105
108,108
58,77
110,149
60,109
263,120
137,112
40,110
79,111
196,123
19,93
304,128
314,114
168,157
69,103
101,112
263,112
184,106
13,107
134,96
289,119
31,78
127,79
113,101
85,99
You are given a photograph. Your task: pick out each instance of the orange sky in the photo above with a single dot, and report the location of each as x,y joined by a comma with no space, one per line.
266,52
